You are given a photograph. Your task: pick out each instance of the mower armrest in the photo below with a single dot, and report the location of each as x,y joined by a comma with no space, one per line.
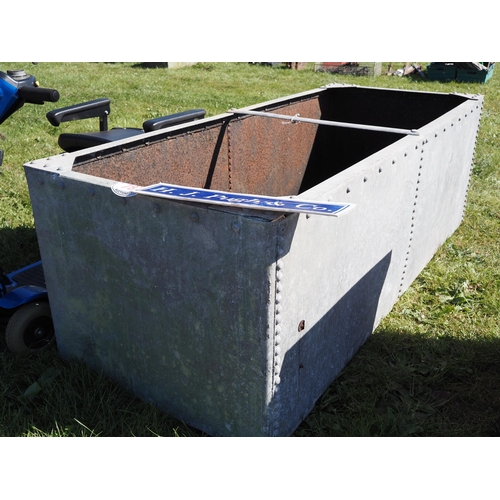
99,108
174,119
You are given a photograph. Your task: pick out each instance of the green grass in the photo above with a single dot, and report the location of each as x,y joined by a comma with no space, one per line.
432,368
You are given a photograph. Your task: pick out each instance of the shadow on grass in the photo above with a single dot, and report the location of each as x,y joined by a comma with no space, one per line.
18,248
406,384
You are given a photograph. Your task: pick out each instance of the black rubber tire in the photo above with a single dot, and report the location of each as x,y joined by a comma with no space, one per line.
30,328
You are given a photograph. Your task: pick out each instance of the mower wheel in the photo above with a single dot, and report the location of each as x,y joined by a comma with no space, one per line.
30,328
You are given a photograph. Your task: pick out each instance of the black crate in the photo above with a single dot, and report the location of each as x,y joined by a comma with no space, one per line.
475,75
442,71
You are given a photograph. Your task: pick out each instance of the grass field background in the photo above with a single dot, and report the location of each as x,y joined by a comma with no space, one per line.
432,368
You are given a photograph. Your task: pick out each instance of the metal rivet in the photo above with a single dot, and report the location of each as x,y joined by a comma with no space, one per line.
236,226
195,217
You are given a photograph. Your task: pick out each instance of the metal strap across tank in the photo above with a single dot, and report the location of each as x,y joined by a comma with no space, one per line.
298,118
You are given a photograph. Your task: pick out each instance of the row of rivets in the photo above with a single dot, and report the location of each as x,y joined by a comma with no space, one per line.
480,108
229,159
412,225
277,361
365,178
277,319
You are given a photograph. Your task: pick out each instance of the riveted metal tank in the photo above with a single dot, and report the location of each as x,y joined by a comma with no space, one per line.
236,320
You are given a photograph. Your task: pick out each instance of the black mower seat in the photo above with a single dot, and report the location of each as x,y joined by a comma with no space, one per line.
75,142
100,108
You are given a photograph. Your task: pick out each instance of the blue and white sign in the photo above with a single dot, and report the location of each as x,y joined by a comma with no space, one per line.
257,202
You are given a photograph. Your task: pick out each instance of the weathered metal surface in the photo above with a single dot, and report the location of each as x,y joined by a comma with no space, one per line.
270,157
440,191
168,299
198,157
232,322
246,154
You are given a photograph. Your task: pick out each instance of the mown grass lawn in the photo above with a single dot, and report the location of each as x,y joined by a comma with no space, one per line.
432,368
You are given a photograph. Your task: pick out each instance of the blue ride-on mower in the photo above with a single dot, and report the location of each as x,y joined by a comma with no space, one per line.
23,295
